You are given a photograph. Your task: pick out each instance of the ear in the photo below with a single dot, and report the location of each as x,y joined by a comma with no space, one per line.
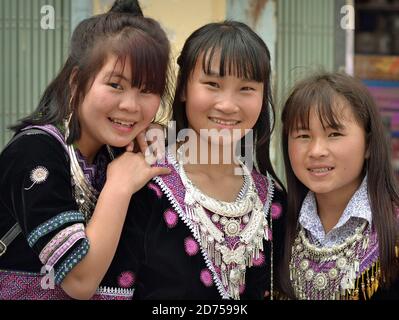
183,95
73,80
367,153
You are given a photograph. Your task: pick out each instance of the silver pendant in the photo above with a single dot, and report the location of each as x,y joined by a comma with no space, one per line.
232,228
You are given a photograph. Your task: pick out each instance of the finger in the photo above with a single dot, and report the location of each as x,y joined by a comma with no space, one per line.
149,157
160,154
141,140
158,171
159,148
130,147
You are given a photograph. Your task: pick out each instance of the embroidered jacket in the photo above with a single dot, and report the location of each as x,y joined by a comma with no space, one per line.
36,192
168,261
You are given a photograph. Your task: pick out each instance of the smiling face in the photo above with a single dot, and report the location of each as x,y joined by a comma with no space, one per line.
328,160
113,112
222,102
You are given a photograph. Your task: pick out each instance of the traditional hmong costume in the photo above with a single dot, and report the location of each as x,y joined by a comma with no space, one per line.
186,245
342,264
43,213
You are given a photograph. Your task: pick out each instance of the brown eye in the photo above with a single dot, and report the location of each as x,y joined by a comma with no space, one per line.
212,84
247,89
115,85
334,134
302,136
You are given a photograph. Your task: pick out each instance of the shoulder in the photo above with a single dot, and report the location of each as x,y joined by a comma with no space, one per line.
33,144
32,150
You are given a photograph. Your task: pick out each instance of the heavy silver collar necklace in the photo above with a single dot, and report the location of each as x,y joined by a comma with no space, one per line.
243,220
84,193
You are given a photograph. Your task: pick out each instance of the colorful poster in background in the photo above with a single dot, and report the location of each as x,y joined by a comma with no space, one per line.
372,67
386,96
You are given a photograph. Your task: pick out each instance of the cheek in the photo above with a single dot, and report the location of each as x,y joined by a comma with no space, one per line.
97,102
354,156
150,108
256,109
198,100
295,155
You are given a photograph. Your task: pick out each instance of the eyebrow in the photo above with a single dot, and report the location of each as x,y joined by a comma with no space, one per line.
339,127
215,74
112,74
212,73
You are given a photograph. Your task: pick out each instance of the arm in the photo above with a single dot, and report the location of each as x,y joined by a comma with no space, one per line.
49,216
125,176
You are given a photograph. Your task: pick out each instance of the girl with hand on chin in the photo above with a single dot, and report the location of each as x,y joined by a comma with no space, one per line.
63,192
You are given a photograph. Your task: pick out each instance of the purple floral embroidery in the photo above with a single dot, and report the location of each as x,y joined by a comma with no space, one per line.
170,218
191,246
276,211
206,278
126,279
156,189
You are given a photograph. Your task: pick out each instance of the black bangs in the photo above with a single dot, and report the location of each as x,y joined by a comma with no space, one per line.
321,98
242,52
238,56
148,60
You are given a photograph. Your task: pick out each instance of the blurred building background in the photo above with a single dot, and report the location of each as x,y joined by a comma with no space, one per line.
359,36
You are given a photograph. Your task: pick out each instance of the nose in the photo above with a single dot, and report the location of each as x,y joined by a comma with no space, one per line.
130,101
318,148
227,104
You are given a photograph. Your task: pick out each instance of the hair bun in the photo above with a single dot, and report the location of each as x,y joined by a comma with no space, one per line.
127,6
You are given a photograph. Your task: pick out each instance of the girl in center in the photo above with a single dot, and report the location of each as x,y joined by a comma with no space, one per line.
204,231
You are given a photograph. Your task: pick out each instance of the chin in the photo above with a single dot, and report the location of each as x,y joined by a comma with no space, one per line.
320,189
119,143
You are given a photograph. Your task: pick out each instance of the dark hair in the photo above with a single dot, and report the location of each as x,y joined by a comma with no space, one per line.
243,54
321,92
124,32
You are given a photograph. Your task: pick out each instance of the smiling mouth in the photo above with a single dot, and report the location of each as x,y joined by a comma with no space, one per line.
122,123
321,170
225,122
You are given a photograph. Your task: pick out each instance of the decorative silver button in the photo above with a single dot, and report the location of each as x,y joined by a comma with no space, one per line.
320,281
232,228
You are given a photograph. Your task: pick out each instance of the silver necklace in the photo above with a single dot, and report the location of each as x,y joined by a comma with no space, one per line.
326,273
232,261
84,193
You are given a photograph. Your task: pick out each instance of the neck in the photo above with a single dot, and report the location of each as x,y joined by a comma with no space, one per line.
87,149
331,206
214,160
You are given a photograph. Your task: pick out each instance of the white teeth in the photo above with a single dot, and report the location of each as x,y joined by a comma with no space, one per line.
122,123
320,170
224,122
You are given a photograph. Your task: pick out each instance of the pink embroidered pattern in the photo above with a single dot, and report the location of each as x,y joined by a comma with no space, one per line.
156,189
27,286
170,218
276,211
126,279
65,247
191,246
206,278
260,261
58,240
